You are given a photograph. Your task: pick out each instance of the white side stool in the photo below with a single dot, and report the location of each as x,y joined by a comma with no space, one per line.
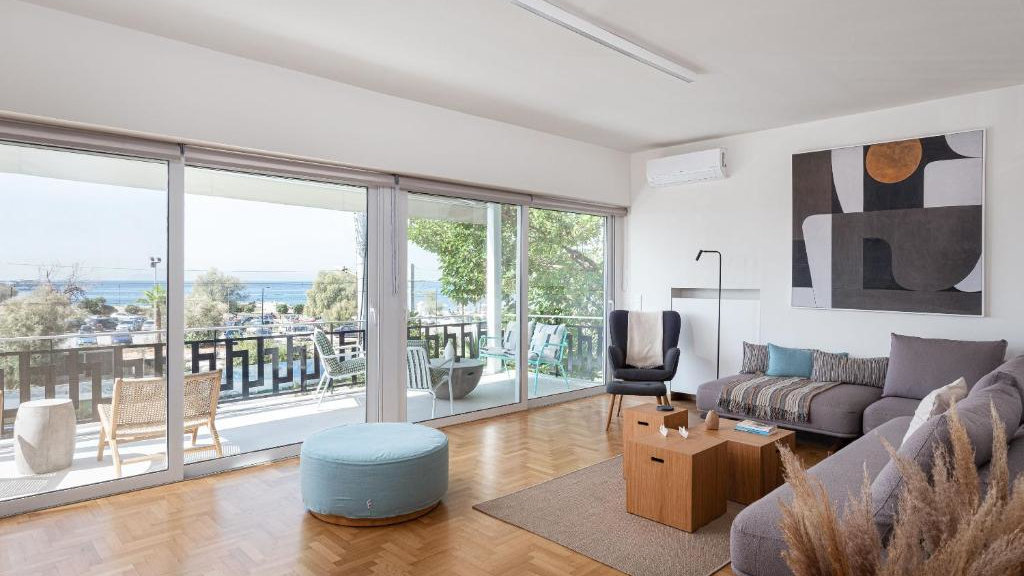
44,436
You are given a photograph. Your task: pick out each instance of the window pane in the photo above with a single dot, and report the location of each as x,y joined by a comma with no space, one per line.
82,302
566,301
462,303
268,263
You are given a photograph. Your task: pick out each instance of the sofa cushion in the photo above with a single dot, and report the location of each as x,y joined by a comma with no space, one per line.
836,411
886,409
919,365
829,367
1014,460
756,543
936,402
755,358
1013,366
789,361
644,374
1004,393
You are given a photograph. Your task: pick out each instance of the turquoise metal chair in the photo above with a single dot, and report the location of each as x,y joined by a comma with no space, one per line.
548,344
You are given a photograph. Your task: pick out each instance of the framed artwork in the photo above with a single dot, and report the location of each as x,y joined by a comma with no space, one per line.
895,226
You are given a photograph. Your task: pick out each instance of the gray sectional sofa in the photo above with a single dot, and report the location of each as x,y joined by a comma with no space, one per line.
916,367
757,542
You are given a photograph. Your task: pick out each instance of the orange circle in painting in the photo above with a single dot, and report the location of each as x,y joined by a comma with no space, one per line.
893,161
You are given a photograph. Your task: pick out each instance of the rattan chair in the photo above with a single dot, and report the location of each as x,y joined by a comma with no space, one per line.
138,411
420,375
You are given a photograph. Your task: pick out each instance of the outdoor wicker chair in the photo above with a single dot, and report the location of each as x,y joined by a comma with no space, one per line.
351,361
138,411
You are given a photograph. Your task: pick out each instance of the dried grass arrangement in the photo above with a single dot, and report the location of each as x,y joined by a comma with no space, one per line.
944,526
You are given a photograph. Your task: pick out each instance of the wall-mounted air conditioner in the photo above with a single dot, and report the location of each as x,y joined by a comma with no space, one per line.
687,168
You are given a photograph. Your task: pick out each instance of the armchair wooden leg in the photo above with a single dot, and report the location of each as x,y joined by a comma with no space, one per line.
103,441
611,410
619,412
216,440
116,457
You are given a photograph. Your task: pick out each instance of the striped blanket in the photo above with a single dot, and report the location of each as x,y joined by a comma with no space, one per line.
772,398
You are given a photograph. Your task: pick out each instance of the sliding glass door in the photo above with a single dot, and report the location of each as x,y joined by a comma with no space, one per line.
567,278
463,332
275,308
83,334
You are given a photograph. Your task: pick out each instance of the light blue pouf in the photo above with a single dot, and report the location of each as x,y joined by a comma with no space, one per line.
373,474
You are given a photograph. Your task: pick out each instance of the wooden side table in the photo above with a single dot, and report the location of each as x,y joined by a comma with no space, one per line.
644,419
754,465
675,481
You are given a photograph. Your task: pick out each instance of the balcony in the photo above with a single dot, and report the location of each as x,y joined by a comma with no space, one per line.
267,396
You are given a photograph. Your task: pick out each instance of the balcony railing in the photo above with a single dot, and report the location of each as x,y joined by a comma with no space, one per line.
259,365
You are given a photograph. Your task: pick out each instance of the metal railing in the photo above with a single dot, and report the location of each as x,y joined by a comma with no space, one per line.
255,364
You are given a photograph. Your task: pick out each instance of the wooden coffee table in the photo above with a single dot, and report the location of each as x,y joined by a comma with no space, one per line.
646,418
675,481
754,465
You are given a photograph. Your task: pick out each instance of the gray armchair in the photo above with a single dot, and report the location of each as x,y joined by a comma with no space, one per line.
634,381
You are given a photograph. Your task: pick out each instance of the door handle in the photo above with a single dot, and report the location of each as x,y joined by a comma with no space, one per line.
656,459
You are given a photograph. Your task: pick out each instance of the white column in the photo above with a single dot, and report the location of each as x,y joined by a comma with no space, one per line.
494,298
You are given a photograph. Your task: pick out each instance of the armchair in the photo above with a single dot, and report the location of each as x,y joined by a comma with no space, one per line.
634,381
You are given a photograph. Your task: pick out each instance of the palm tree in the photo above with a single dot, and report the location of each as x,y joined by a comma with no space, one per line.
155,298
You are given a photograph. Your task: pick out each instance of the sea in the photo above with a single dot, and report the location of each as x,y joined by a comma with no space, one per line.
123,292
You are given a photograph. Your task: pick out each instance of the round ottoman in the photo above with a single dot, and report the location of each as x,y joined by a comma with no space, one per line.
44,436
373,474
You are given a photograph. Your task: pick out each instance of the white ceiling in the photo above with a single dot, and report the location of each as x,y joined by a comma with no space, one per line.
761,63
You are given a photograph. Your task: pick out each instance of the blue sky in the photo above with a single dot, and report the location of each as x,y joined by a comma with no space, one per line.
111,231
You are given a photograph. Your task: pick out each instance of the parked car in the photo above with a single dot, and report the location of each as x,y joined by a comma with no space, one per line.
120,338
149,326
101,323
86,337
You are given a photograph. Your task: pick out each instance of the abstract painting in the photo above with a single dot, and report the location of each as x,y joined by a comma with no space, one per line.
893,226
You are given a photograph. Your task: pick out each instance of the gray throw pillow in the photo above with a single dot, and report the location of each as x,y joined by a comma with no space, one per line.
829,367
1005,392
919,365
755,358
1014,366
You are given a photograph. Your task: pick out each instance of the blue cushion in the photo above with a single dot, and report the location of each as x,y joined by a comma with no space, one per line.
376,470
789,361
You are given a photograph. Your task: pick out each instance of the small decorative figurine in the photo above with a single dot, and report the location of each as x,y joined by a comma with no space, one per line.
663,430
711,420
684,432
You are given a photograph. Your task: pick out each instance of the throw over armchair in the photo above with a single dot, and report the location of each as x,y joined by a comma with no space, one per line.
618,322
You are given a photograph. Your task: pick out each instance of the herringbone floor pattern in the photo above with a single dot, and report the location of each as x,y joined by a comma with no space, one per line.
251,522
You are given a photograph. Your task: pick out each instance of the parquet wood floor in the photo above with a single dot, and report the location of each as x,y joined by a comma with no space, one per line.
251,522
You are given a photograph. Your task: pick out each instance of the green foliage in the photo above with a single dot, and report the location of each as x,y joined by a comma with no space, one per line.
566,260
461,249
7,291
42,312
96,306
201,312
216,286
156,299
299,308
133,309
281,308
332,296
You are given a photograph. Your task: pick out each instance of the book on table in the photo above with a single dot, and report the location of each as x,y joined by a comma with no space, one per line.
755,427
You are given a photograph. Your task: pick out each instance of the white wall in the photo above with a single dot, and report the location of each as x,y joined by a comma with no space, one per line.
748,217
66,67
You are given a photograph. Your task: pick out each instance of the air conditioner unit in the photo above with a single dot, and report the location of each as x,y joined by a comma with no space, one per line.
687,168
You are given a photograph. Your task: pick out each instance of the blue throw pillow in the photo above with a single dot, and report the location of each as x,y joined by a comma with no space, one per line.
789,361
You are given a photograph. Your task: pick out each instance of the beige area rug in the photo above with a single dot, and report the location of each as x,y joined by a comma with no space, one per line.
585,511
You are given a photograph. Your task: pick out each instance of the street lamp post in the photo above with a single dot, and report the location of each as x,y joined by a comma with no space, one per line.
263,291
154,261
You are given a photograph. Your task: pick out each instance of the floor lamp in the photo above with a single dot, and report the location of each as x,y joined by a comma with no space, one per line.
718,332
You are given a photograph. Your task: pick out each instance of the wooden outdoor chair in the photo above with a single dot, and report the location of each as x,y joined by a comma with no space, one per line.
138,411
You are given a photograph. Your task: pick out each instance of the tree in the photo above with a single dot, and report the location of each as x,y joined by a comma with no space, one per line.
70,284
133,309
201,312
97,306
7,291
281,308
215,286
155,298
42,312
332,296
299,308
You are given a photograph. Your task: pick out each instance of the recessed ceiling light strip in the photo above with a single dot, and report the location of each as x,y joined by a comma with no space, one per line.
593,32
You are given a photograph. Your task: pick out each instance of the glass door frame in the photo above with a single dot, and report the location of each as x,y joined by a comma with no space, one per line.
378,188
128,147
